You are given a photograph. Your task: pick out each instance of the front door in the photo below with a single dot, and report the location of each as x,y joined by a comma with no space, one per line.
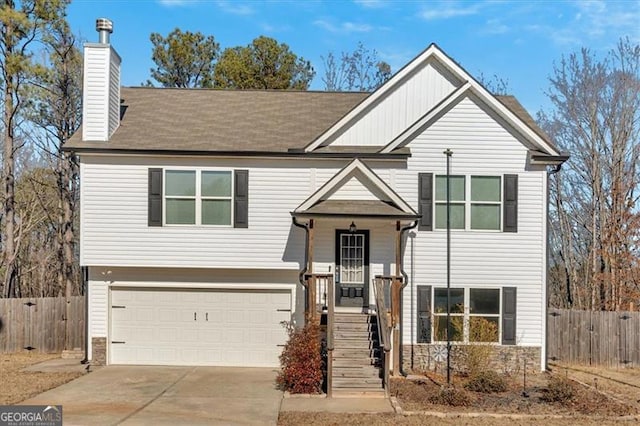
352,268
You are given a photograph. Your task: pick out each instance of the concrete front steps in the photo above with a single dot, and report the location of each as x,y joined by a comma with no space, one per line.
356,357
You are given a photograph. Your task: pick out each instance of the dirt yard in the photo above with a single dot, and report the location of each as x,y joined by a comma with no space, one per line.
18,385
613,400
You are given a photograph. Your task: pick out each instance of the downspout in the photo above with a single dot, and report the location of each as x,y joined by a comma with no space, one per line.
555,170
405,281
84,272
304,269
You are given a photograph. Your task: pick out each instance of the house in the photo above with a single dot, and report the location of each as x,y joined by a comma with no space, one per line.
209,217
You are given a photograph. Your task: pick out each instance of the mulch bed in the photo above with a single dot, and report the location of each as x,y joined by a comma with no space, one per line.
417,395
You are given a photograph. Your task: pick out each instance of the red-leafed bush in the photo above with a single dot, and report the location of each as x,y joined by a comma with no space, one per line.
301,361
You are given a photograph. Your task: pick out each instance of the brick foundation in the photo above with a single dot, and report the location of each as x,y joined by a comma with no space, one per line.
504,359
99,350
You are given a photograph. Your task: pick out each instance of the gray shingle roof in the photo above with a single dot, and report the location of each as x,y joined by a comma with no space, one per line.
210,120
222,120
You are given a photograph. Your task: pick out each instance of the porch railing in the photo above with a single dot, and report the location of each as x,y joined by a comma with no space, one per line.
321,299
382,290
388,291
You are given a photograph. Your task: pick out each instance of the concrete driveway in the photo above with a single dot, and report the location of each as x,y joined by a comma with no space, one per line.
131,395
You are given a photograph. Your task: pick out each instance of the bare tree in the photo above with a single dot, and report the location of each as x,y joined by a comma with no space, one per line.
360,70
595,224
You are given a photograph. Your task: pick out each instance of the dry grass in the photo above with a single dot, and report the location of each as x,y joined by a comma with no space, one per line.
338,419
18,385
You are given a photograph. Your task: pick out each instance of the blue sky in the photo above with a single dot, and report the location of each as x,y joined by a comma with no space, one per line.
517,40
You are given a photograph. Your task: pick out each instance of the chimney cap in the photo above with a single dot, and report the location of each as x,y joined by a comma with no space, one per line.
104,24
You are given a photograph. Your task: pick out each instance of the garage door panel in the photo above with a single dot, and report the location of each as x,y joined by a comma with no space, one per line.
183,327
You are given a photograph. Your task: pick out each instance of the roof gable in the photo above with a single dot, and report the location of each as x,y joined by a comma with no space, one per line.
356,181
462,84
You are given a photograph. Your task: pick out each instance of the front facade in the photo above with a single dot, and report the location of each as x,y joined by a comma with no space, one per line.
204,211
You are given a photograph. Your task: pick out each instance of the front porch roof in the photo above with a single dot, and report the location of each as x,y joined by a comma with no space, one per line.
370,209
375,199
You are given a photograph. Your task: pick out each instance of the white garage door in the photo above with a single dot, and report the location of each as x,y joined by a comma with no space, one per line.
197,327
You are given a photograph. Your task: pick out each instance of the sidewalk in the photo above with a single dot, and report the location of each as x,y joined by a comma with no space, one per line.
336,405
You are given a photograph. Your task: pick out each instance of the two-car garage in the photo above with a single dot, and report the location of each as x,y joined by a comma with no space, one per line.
221,327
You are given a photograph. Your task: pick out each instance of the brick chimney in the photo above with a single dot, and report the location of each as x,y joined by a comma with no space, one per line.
101,86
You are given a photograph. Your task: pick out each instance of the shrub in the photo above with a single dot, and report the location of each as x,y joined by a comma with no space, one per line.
558,390
301,361
449,395
487,381
476,356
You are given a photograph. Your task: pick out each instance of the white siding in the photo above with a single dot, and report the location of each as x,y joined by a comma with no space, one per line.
95,112
356,189
479,258
401,108
114,92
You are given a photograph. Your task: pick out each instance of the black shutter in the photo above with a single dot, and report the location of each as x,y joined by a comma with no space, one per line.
155,197
424,314
510,203
425,201
509,300
241,199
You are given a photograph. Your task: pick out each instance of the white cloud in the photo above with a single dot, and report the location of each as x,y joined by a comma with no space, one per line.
495,26
371,4
344,27
447,10
235,8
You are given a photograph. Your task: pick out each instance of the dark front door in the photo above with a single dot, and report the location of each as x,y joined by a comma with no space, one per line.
352,268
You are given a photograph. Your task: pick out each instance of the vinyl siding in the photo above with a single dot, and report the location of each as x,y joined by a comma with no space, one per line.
401,108
481,146
355,189
114,92
96,90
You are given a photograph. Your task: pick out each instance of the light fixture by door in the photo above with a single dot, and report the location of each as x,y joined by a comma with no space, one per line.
352,227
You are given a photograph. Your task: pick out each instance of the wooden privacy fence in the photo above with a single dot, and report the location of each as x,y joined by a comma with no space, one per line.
39,324
609,339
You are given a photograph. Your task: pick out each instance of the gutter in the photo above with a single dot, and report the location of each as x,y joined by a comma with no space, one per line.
405,281
556,169
84,272
303,271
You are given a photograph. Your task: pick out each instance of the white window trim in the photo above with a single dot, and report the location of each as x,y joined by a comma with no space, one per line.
198,196
466,315
467,203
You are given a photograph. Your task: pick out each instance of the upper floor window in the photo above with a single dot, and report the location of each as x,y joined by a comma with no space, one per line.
198,197
476,202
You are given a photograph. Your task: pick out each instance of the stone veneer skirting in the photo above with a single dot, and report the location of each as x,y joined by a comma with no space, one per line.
99,350
504,359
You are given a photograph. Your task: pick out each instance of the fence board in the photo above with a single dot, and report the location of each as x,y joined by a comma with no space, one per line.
41,325
610,339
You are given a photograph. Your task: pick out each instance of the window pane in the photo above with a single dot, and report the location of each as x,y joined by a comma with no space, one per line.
457,188
456,331
216,184
484,301
180,183
440,300
485,216
485,188
457,216
181,211
483,329
216,212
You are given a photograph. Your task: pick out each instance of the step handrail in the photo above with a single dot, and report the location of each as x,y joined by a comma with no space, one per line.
384,330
